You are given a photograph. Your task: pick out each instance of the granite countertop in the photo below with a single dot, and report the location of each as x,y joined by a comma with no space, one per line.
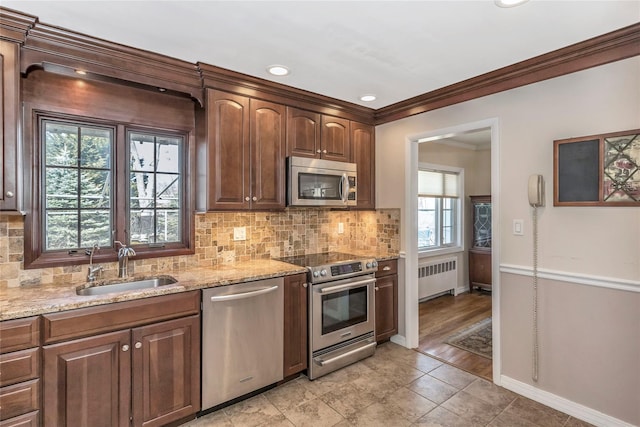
30,301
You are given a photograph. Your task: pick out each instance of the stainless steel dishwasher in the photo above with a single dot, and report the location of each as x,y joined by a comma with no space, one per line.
242,339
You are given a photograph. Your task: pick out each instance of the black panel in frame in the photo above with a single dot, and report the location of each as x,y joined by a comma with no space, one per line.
578,171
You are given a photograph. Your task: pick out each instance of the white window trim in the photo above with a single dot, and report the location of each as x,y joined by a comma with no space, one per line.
459,246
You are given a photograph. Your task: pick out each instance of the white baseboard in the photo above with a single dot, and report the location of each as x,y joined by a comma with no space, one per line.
399,339
567,406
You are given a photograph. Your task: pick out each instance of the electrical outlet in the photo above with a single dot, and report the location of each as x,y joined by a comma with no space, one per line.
340,228
239,233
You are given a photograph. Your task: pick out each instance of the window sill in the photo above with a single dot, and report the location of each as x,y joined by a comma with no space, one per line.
426,253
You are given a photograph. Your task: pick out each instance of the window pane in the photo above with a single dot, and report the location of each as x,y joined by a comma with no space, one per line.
61,230
168,195
426,222
168,226
141,226
141,190
95,148
61,188
60,144
95,189
142,152
168,155
95,228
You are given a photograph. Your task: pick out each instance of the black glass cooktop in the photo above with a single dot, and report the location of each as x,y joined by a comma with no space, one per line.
316,260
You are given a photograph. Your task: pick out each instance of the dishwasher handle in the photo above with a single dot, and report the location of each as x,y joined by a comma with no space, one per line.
243,295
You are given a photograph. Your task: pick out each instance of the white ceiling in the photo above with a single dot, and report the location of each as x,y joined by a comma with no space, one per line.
344,49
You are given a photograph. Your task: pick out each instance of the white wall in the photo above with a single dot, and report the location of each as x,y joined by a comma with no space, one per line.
600,242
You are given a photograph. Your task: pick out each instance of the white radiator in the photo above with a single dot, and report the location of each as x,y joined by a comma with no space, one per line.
436,277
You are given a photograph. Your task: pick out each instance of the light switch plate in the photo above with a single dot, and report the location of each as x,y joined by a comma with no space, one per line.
239,233
340,228
518,227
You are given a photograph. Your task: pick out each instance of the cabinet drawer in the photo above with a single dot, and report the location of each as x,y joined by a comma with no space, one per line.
26,420
19,366
19,334
387,268
19,399
122,315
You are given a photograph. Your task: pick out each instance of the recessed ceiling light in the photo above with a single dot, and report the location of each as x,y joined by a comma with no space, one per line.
368,98
278,70
81,72
509,3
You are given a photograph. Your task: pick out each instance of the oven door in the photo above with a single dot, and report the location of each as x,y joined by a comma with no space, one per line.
341,310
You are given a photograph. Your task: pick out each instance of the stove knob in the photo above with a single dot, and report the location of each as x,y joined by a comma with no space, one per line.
316,273
374,264
323,272
368,265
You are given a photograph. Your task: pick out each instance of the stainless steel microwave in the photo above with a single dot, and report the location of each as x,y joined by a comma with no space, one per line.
317,182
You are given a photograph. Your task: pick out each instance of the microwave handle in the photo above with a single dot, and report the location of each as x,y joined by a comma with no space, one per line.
344,188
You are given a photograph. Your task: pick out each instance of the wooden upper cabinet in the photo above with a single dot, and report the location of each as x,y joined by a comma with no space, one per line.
9,124
245,149
267,153
363,152
319,136
303,133
335,139
228,140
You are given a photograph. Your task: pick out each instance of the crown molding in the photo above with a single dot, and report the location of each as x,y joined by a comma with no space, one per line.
243,84
614,46
14,25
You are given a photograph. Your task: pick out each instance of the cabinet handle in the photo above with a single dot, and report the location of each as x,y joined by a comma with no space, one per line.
247,199
254,198
386,268
377,288
125,347
318,151
304,285
10,194
324,151
138,345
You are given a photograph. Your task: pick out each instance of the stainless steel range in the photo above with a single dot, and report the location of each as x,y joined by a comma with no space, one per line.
341,309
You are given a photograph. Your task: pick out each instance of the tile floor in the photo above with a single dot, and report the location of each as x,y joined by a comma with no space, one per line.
395,387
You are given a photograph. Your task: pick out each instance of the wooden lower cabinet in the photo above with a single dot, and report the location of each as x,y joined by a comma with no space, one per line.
26,420
386,300
295,324
145,375
479,269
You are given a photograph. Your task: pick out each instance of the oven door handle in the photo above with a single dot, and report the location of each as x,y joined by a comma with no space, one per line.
242,295
336,288
323,362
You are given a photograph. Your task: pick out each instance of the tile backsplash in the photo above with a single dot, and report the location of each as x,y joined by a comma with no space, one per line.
294,231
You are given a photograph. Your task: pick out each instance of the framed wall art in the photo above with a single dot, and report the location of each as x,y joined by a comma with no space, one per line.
597,170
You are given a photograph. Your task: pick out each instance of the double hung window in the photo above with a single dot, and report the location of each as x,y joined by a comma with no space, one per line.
439,207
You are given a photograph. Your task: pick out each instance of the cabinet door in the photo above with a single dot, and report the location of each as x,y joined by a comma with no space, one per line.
479,269
166,371
268,130
386,307
87,382
303,133
295,324
9,123
335,139
228,134
363,154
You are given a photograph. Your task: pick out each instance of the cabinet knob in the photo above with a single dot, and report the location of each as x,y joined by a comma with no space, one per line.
247,199
386,268
324,151
318,151
125,347
10,194
304,285
377,288
254,198
138,344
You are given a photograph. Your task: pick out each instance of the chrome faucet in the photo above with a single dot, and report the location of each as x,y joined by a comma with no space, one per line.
123,258
91,274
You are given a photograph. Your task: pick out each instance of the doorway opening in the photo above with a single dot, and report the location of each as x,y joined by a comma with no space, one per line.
456,326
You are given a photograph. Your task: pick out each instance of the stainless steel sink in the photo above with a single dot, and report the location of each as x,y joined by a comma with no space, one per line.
133,285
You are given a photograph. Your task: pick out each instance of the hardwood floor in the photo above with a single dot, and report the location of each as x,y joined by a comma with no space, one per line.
443,316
